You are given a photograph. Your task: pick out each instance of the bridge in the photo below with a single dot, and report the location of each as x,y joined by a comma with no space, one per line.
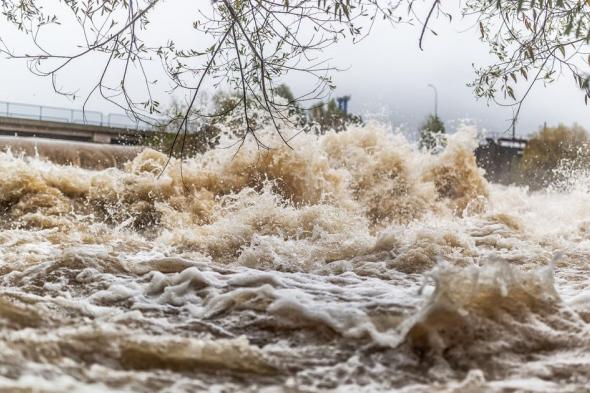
17,119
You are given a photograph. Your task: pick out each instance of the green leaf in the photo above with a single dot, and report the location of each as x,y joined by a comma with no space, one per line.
510,92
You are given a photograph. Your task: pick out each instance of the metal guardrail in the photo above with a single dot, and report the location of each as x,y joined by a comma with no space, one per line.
74,116
503,136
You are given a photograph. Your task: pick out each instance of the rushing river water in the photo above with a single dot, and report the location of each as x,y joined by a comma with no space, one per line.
350,263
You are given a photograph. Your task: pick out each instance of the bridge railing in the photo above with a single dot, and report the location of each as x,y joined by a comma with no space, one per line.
65,115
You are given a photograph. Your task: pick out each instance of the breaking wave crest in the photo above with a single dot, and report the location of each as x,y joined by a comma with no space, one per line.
338,189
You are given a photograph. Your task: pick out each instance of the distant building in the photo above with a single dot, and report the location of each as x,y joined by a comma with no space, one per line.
343,103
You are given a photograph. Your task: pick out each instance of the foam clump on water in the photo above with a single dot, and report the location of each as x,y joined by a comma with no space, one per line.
471,305
344,262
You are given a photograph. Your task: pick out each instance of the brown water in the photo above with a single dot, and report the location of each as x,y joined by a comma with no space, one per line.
81,154
351,263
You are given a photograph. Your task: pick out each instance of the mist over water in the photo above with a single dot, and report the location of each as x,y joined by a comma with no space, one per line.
350,263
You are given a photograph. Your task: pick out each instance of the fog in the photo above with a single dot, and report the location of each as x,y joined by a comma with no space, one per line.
386,74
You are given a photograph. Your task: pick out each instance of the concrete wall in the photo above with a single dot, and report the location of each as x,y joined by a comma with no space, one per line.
70,131
500,158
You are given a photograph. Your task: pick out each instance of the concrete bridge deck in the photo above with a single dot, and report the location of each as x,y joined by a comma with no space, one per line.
12,126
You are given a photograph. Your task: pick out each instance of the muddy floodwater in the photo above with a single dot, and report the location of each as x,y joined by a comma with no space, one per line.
349,263
81,154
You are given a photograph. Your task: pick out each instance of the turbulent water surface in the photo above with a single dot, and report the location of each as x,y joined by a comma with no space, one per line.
350,263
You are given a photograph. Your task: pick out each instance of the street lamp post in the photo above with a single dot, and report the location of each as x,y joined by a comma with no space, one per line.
435,99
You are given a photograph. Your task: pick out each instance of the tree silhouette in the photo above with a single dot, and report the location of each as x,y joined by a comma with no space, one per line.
431,132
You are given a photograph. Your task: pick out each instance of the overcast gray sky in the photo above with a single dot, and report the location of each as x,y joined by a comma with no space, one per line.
387,75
